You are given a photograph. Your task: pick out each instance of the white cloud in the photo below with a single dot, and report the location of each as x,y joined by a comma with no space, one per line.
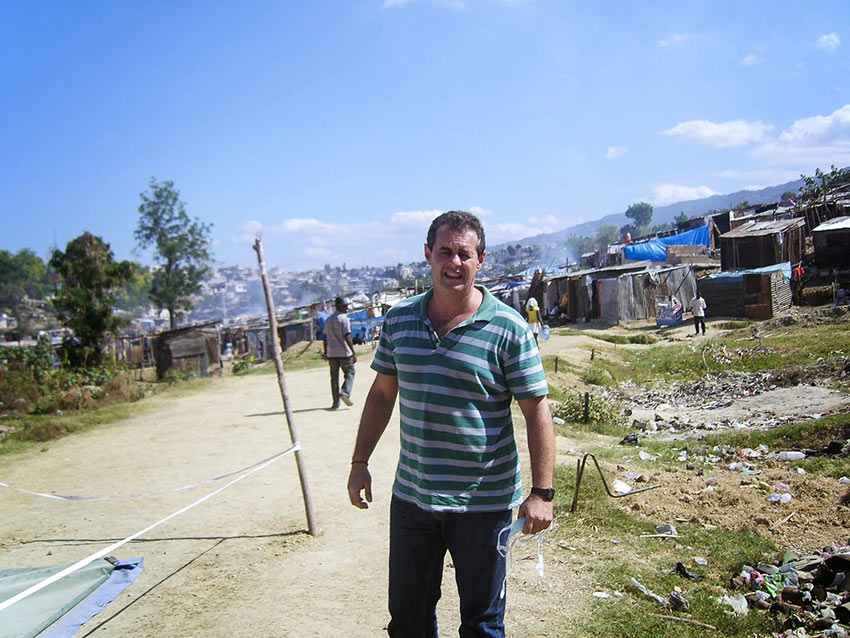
720,135
614,152
813,141
479,212
415,219
664,194
322,253
676,40
751,59
309,225
828,42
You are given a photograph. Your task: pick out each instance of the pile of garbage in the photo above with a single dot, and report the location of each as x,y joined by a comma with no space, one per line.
811,591
708,392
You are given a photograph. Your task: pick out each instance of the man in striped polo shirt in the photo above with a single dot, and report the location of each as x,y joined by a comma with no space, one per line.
456,357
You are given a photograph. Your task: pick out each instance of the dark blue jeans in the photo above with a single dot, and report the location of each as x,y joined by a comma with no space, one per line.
348,370
418,544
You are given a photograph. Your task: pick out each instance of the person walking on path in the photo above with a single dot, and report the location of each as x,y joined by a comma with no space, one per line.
456,357
339,352
698,308
532,311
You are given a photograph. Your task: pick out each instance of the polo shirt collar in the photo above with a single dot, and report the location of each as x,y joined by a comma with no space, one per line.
486,311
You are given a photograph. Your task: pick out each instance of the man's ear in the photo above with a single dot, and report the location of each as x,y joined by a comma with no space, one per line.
427,254
481,258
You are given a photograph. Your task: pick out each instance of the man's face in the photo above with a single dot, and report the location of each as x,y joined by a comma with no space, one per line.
454,260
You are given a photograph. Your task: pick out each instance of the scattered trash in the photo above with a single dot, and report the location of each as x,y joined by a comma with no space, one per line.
738,603
844,480
651,594
782,487
646,456
667,528
791,455
621,487
602,595
678,602
779,498
699,560
558,420
631,439
811,590
683,571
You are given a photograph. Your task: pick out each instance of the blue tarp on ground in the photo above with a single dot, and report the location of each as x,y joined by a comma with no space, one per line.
656,249
61,608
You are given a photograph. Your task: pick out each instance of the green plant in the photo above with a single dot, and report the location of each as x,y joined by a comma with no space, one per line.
241,364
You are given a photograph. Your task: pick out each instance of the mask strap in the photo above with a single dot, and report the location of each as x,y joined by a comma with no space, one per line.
512,536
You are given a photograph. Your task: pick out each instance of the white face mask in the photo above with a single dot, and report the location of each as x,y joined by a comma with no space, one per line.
511,538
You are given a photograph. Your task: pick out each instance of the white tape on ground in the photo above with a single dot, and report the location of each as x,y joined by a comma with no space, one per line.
74,497
108,550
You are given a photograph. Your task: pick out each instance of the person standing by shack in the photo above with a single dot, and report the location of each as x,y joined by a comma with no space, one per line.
339,352
532,312
456,357
698,308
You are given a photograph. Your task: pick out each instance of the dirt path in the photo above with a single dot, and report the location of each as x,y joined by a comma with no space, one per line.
240,563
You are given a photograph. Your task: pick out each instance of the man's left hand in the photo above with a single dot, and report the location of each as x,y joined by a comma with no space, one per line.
538,514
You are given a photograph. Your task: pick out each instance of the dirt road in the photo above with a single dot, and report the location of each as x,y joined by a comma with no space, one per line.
239,564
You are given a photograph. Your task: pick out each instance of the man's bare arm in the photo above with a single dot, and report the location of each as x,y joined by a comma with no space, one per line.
538,513
376,415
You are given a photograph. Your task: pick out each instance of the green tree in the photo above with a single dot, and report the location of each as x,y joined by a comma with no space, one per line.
181,248
606,235
641,216
681,218
90,279
21,274
817,188
135,296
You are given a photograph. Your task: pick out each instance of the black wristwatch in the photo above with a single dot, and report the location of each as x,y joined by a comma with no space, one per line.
546,493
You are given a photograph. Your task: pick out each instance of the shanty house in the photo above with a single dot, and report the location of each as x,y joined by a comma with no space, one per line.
832,243
194,349
759,293
755,244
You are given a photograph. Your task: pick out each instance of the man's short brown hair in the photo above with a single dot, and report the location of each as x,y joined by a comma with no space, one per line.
457,220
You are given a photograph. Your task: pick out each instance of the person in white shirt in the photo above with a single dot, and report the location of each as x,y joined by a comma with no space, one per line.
698,308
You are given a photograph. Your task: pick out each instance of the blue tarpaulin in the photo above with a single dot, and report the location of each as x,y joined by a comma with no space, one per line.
361,324
656,249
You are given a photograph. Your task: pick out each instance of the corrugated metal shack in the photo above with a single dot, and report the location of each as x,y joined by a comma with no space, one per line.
832,244
194,349
759,293
620,294
755,244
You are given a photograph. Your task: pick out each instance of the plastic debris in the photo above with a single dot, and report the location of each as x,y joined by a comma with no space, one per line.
784,498
646,456
558,420
602,595
667,528
738,603
791,455
844,480
651,594
678,602
699,560
683,571
621,487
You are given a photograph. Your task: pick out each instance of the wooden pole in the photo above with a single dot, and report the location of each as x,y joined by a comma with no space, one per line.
278,362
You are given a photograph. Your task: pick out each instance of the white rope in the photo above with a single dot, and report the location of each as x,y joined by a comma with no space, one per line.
108,550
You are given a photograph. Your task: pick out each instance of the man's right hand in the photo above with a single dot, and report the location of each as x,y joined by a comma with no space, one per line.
360,480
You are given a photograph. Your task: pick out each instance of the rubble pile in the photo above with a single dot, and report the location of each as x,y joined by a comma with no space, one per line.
708,392
811,591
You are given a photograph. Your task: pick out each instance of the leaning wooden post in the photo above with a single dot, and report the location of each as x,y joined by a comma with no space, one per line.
278,363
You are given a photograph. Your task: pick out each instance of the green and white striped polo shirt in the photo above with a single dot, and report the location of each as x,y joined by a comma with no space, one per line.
458,451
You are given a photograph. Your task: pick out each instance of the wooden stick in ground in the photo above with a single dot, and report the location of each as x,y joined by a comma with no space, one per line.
278,363
688,621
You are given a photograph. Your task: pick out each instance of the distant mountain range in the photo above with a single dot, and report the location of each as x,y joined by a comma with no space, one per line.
662,214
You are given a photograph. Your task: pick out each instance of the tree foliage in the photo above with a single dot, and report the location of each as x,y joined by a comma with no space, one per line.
816,188
641,216
89,281
21,274
681,218
181,248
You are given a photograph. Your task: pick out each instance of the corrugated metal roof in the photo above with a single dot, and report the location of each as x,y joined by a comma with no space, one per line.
754,229
835,223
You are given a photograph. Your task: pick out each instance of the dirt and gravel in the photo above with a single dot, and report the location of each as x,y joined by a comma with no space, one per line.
242,564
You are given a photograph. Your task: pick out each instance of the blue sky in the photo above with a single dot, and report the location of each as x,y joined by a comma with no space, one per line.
338,130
